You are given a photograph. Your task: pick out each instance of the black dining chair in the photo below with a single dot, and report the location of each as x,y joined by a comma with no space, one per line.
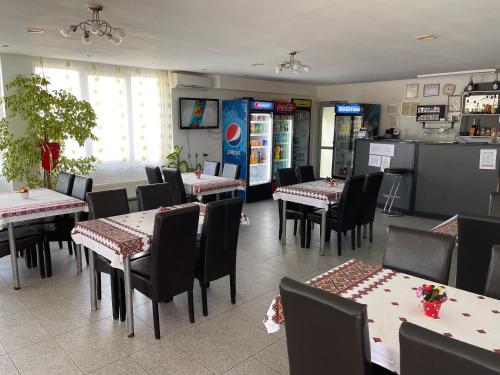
494,209
211,168
294,211
419,253
305,173
311,349
169,270
368,206
103,204
427,352
154,175
153,196
344,217
476,236
492,288
216,251
64,184
230,170
174,179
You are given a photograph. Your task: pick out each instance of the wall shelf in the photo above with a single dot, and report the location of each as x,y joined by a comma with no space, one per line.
452,123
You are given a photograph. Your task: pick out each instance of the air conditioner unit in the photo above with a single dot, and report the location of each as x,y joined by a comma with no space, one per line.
183,80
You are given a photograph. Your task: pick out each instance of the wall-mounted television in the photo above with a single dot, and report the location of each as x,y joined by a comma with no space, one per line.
198,113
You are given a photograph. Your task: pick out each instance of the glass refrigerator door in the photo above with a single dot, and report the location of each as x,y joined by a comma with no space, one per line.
282,143
301,138
261,135
343,146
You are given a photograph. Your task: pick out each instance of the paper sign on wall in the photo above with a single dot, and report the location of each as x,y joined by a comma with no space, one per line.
383,149
385,162
374,161
488,159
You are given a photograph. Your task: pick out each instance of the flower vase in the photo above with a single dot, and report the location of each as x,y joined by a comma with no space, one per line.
432,308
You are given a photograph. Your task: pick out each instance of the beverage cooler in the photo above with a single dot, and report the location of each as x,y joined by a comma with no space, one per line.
301,132
247,129
284,114
349,120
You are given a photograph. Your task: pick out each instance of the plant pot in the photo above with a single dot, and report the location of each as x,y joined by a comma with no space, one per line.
432,308
25,195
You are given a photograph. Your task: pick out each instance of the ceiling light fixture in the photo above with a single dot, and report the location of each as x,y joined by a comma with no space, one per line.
425,37
295,66
34,30
95,26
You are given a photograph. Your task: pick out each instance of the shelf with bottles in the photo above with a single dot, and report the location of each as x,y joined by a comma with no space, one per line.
259,134
481,104
258,164
427,113
280,160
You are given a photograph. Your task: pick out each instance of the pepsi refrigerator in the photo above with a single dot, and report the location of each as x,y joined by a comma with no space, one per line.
352,121
284,115
247,128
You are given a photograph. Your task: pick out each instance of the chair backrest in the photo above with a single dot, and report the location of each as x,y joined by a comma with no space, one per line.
426,352
219,238
476,236
211,168
230,170
153,196
305,173
81,186
494,209
285,177
174,179
311,349
154,175
370,195
107,203
492,288
350,202
172,251
419,253
64,183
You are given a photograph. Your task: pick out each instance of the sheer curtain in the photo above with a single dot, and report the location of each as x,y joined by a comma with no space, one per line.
133,108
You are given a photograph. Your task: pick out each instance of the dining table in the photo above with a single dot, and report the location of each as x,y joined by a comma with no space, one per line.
391,299
39,203
319,193
119,237
204,184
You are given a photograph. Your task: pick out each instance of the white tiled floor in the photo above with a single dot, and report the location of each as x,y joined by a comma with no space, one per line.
47,326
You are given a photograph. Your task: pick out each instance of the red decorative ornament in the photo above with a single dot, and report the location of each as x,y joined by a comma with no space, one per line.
432,308
50,155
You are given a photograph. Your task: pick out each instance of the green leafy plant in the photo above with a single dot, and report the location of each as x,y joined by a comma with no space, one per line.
174,160
51,116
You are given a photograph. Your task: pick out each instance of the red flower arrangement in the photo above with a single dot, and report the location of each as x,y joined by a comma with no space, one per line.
432,298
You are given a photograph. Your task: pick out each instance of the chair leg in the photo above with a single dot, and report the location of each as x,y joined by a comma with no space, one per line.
121,300
115,297
86,251
364,230
34,260
191,306
327,234
232,285
60,244
98,285
371,231
41,262
156,318
48,259
27,257
353,239
70,247
358,235
308,234
339,243
280,229
204,298
302,233
294,227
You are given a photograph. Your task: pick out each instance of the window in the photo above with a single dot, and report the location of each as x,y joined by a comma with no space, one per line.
132,107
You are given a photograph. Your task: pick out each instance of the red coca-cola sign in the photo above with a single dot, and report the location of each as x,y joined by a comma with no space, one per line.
285,108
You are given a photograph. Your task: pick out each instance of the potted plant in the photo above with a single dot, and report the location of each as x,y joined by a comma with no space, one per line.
174,160
52,117
432,298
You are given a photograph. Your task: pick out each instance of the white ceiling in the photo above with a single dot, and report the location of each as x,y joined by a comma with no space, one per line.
343,41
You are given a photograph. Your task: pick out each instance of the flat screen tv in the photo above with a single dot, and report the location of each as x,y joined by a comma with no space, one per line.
198,113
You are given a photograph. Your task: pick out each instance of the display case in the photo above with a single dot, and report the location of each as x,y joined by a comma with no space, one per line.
432,113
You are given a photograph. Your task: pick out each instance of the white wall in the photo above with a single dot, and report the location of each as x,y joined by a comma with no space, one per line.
392,92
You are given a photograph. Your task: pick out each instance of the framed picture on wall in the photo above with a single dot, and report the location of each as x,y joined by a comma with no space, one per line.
454,103
412,90
431,89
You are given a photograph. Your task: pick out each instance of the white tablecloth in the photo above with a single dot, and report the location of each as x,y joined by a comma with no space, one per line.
207,184
41,203
391,299
315,193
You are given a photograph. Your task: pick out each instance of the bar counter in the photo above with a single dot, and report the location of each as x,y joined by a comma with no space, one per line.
446,177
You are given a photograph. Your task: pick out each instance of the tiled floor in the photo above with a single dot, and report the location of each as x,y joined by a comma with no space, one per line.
47,326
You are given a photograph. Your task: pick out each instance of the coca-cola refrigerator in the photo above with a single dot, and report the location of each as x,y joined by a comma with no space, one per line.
284,116
301,132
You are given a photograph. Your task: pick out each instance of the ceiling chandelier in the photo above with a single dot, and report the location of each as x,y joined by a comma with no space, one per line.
95,26
295,66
